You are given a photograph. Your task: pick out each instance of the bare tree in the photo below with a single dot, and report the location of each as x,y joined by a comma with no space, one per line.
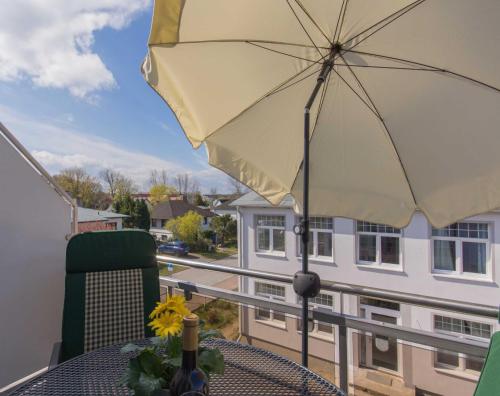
237,187
182,182
213,190
117,183
157,177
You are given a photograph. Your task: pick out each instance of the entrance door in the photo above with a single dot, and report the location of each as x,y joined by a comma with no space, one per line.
380,351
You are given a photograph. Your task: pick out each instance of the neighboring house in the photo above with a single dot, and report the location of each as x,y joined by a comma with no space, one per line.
460,262
36,221
226,208
175,207
98,220
140,196
219,199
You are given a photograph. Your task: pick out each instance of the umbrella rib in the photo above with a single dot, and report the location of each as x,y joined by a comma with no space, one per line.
396,15
343,17
271,92
359,96
429,67
338,20
292,84
303,27
280,52
387,67
299,3
386,130
173,43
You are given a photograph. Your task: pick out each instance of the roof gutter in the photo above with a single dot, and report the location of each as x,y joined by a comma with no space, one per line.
49,179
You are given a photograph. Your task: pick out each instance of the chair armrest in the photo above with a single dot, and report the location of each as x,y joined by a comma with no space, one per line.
56,356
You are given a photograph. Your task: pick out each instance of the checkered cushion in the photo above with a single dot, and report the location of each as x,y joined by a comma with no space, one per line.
114,308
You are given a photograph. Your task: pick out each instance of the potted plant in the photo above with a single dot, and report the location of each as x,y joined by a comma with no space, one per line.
152,367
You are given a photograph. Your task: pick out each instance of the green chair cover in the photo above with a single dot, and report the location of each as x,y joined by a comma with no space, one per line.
489,381
112,285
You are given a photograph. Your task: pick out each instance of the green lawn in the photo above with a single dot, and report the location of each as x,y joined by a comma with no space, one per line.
220,253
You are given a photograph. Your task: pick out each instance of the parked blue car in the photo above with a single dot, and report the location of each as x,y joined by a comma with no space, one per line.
177,248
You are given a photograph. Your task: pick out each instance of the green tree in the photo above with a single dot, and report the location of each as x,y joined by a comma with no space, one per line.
81,186
199,201
186,228
225,227
142,217
124,204
160,193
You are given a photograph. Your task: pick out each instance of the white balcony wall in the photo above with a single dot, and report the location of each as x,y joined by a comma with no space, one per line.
34,223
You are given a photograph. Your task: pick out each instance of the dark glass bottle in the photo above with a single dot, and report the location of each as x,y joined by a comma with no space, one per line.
189,377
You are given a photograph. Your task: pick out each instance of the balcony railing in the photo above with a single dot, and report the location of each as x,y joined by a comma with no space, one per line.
344,322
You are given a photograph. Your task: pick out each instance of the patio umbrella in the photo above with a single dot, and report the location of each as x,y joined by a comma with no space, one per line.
402,102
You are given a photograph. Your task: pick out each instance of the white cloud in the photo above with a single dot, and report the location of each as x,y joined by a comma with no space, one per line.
57,147
50,42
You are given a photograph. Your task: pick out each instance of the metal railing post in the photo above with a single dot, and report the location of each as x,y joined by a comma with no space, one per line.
343,359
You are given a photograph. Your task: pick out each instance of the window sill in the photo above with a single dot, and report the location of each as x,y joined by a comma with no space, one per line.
271,254
320,336
457,373
378,267
320,260
466,278
278,325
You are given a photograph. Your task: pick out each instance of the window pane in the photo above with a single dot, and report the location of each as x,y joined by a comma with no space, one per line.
368,248
448,358
279,240
271,221
263,239
473,363
444,255
325,244
279,316
325,328
263,314
390,250
474,257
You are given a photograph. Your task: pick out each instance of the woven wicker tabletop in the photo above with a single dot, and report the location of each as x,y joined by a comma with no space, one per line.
249,371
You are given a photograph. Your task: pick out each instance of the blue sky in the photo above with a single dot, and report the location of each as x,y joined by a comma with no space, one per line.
72,92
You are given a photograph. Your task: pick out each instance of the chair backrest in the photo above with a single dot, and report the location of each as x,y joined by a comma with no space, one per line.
489,381
112,285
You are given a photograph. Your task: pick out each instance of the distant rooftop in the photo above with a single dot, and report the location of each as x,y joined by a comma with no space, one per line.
86,215
253,199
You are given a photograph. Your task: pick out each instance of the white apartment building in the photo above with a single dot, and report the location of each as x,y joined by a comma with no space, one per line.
459,262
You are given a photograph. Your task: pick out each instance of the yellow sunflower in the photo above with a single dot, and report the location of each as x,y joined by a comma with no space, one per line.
175,304
166,324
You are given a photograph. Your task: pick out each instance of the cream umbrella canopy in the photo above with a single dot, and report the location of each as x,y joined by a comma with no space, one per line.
407,115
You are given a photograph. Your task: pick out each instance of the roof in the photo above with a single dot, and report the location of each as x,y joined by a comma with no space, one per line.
176,207
226,206
85,215
253,199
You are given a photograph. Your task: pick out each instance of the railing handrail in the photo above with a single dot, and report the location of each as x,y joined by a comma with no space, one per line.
423,337
413,299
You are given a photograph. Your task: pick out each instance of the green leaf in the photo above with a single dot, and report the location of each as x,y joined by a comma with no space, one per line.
151,363
174,347
148,384
173,361
204,334
211,361
131,348
132,373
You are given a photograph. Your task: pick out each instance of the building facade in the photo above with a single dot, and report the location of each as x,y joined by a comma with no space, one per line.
456,263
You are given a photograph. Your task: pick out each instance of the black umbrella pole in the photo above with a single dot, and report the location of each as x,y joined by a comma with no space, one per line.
326,69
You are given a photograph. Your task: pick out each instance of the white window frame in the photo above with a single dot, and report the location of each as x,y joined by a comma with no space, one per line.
314,241
272,297
271,235
315,332
459,253
462,357
378,247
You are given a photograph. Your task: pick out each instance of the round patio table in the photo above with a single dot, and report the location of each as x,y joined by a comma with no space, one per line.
249,371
